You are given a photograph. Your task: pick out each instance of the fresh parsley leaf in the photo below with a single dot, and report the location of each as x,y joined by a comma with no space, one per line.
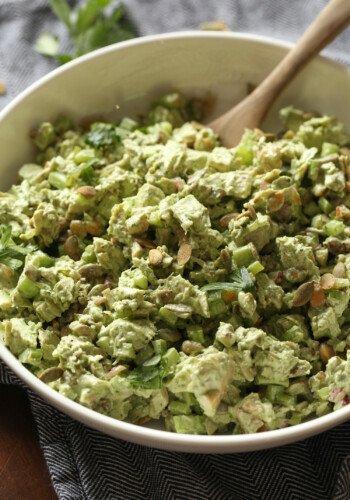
47,45
62,10
64,58
89,13
144,377
102,135
103,33
150,374
241,281
89,28
87,174
11,254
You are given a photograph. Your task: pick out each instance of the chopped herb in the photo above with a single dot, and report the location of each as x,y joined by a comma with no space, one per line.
146,377
87,175
11,254
151,374
241,282
89,28
101,135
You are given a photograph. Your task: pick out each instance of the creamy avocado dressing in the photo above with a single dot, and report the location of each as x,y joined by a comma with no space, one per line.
147,272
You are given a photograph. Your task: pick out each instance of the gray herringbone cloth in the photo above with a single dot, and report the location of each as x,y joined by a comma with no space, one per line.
85,464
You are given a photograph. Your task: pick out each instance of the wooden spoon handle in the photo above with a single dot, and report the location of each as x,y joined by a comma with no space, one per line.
330,22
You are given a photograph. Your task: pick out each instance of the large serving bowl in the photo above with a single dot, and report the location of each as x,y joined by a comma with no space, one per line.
121,80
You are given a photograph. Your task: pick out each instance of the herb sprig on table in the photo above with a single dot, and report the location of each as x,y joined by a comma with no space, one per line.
89,28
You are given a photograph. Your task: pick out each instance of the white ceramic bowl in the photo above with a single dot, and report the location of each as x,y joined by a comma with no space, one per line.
122,79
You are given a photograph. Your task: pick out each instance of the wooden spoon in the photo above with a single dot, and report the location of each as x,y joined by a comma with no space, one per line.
250,112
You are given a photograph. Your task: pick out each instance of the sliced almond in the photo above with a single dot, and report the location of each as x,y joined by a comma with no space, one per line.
155,257
184,253
117,370
243,214
303,294
87,191
327,281
51,374
180,310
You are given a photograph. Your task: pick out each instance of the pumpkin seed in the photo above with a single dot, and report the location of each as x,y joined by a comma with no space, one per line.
72,248
78,228
303,294
91,271
326,352
276,201
318,297
51,374
145,243
327,281
166,296
184,253
226,219
169,335
87,191
339,270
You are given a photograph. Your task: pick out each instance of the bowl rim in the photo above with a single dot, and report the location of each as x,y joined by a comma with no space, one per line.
132,432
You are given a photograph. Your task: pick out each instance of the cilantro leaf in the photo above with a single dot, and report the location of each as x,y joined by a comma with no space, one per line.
11,254
101,135
241,281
